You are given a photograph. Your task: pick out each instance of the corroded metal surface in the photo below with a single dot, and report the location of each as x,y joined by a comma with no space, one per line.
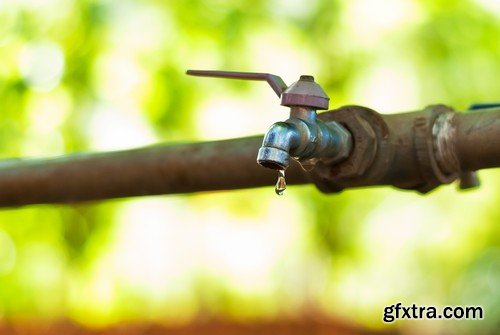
418,150
414,151
478,139
162,169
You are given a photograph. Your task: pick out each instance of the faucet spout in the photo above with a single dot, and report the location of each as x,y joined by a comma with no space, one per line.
305,138
280,139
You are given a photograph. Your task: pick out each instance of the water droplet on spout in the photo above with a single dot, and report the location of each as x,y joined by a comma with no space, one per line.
281,183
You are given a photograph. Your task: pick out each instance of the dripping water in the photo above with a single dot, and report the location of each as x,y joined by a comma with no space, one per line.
281,183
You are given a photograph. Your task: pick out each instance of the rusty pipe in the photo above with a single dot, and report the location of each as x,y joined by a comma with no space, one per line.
478,139
418,151
161,169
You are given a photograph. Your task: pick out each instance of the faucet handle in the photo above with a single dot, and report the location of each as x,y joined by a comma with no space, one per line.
276,83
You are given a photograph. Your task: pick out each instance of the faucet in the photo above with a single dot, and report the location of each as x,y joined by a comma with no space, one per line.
302,136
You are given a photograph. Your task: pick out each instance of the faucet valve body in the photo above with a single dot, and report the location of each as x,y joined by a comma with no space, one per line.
302,136
305,139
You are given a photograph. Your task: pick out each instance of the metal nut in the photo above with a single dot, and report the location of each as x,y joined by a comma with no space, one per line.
344,142
363,137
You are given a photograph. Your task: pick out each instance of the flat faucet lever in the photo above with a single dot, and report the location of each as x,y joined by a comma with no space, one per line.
276,83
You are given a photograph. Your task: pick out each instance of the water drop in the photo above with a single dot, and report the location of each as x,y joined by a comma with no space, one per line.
281,183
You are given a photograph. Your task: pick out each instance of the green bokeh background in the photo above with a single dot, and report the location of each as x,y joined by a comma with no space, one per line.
104,75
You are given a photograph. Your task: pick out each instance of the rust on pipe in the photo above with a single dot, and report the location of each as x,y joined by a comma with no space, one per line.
418,151
161,169
478,139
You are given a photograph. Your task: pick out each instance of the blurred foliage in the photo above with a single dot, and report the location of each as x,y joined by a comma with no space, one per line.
99,75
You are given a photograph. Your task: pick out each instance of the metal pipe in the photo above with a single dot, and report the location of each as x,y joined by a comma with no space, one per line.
415,151
478,139
162,169
419,150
